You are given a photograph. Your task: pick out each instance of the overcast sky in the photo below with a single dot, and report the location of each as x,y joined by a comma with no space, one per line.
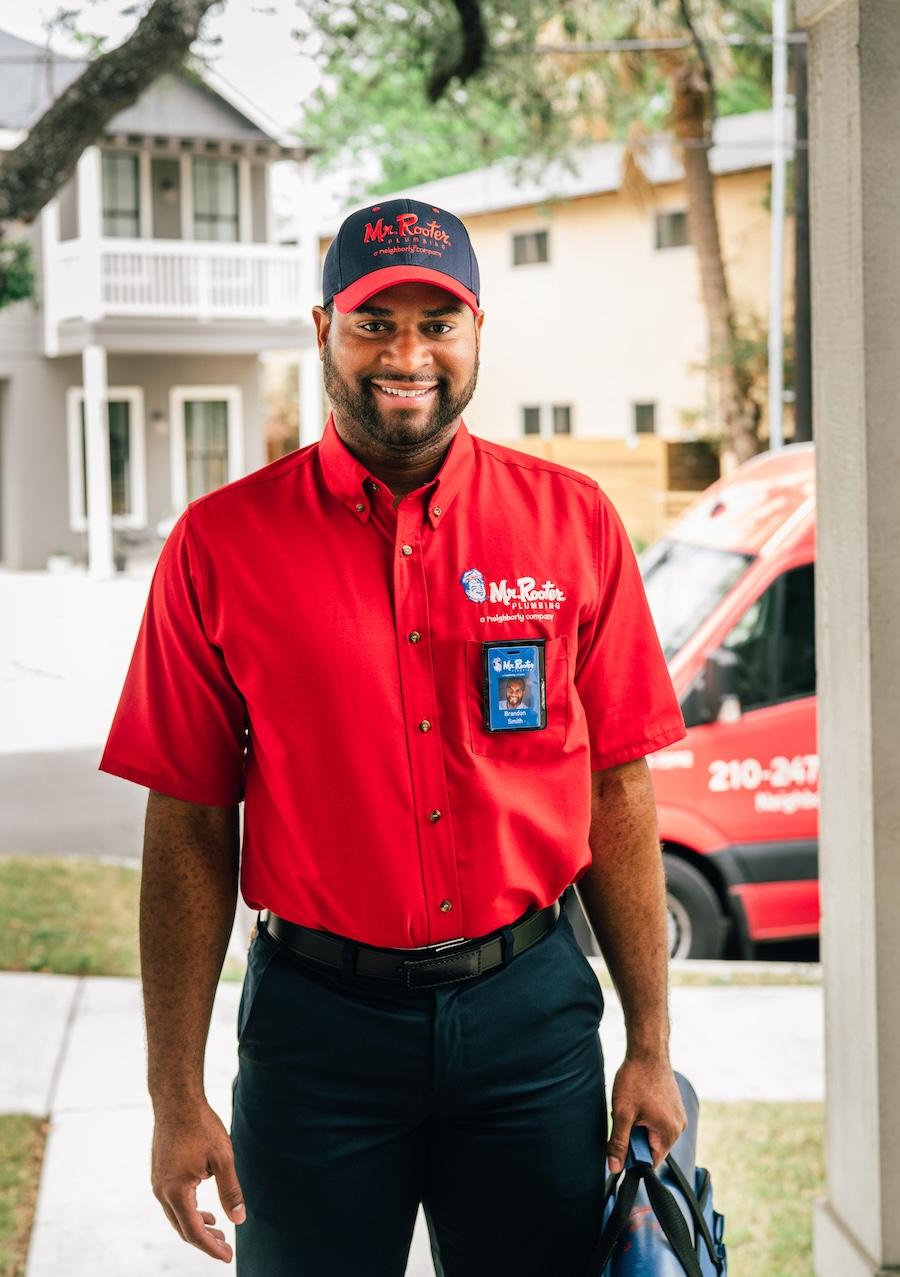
257,54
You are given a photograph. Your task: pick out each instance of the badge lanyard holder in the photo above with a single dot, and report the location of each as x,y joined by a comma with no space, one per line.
514,691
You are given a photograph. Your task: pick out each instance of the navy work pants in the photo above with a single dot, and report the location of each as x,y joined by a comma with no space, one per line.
356,1100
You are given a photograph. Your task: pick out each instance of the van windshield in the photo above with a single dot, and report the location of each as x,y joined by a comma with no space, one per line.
684,583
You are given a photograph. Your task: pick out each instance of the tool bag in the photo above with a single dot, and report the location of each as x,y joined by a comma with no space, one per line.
661,1223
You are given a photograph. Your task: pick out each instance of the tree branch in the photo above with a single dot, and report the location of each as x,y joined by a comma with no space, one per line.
471,55
33,173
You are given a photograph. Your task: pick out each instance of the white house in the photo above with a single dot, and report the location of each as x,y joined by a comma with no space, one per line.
131,383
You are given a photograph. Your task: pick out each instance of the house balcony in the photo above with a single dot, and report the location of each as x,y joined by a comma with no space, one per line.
110,283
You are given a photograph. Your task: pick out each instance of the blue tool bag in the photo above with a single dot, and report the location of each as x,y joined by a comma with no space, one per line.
661,1223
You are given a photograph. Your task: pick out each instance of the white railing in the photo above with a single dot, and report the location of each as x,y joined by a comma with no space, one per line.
163,278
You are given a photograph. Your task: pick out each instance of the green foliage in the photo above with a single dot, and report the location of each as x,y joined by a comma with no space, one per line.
16,271
372,115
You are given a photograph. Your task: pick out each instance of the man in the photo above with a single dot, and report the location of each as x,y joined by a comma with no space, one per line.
417,1022
515,693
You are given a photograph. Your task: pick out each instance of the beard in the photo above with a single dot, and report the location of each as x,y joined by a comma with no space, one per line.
397,428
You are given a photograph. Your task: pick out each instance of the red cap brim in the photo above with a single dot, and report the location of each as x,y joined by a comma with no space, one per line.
362,289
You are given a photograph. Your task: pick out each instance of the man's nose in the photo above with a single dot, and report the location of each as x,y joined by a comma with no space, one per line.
408,351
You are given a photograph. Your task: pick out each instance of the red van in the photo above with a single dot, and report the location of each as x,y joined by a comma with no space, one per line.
731,588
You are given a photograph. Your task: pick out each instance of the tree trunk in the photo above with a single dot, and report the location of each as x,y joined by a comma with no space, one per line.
739,414
33,173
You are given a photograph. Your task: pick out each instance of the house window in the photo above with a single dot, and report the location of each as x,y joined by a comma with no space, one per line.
205,445
215,199
562,419
547,420
207,440
645,418
530,247
672,229
125,417
531,421
121,195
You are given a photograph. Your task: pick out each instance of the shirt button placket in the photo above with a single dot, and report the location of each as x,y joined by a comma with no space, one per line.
438,860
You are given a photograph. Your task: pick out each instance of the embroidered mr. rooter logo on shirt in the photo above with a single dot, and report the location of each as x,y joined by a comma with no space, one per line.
526,599
405,227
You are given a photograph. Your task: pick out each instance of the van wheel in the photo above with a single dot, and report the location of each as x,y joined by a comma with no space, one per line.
696,926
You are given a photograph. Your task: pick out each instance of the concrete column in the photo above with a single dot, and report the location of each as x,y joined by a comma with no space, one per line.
49,267
854,104
312,399
90,229
99,494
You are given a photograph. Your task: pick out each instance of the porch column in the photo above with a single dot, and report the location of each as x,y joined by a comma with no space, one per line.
854,100
99,494
90,230
311,399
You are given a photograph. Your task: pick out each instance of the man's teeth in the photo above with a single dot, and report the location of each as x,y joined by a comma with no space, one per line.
406,394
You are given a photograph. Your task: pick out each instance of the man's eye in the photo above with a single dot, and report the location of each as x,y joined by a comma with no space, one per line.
372,324
447,328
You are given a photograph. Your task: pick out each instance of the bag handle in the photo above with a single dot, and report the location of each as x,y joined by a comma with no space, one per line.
665,1208
664,1205
699,1220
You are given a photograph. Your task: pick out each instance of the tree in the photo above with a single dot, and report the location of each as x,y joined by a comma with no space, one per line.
480,61
541,74
31,174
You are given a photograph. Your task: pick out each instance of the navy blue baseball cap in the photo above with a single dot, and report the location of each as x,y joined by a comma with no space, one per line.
401,241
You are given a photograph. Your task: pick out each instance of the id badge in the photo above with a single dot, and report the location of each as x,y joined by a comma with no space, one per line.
514,696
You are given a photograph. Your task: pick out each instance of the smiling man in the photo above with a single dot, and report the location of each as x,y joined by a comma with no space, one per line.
417,1023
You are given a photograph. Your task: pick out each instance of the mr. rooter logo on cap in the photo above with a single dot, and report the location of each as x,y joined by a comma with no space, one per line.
407,224
399,241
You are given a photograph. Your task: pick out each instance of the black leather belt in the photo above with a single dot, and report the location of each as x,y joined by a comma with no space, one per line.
421,968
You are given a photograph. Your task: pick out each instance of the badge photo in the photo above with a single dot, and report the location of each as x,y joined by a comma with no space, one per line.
514,694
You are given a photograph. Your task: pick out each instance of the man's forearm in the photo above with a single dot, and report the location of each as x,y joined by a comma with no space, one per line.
189,883
624,896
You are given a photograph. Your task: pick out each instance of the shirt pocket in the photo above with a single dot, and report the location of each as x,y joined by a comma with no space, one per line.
529,745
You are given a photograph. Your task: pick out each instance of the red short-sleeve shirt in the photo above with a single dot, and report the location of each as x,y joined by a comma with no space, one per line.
310,650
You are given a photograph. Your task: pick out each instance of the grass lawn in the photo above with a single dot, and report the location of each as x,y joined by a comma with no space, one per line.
767,1168
21,1151
76,917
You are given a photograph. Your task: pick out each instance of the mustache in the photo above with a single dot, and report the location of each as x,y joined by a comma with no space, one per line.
389,377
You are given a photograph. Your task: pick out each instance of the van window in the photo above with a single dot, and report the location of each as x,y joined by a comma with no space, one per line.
684,583
775,644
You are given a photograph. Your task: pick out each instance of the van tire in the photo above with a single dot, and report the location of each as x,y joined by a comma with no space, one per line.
696,926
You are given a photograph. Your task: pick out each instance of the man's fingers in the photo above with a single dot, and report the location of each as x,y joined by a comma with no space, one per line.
617,1147
193,1228
229,1189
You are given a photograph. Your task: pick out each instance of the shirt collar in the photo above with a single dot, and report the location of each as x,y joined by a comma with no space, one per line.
348,479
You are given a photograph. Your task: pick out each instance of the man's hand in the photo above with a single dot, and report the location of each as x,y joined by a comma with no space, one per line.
645,1093
188,1147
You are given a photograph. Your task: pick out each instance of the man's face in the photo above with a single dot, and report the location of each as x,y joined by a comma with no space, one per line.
402,367
515,691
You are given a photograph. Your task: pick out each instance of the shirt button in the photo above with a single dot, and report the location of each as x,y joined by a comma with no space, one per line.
371,485
406,549
434,815
425,725
360,508
414,636
437,510
446,906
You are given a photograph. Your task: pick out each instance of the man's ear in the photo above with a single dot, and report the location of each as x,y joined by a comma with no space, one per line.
322,321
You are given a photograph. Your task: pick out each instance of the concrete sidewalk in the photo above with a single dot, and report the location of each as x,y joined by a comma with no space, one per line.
73,1048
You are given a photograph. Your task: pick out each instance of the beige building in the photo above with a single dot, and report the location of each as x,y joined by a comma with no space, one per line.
594,322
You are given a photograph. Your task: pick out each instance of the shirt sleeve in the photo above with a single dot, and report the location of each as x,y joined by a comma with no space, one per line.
621,675
179,726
